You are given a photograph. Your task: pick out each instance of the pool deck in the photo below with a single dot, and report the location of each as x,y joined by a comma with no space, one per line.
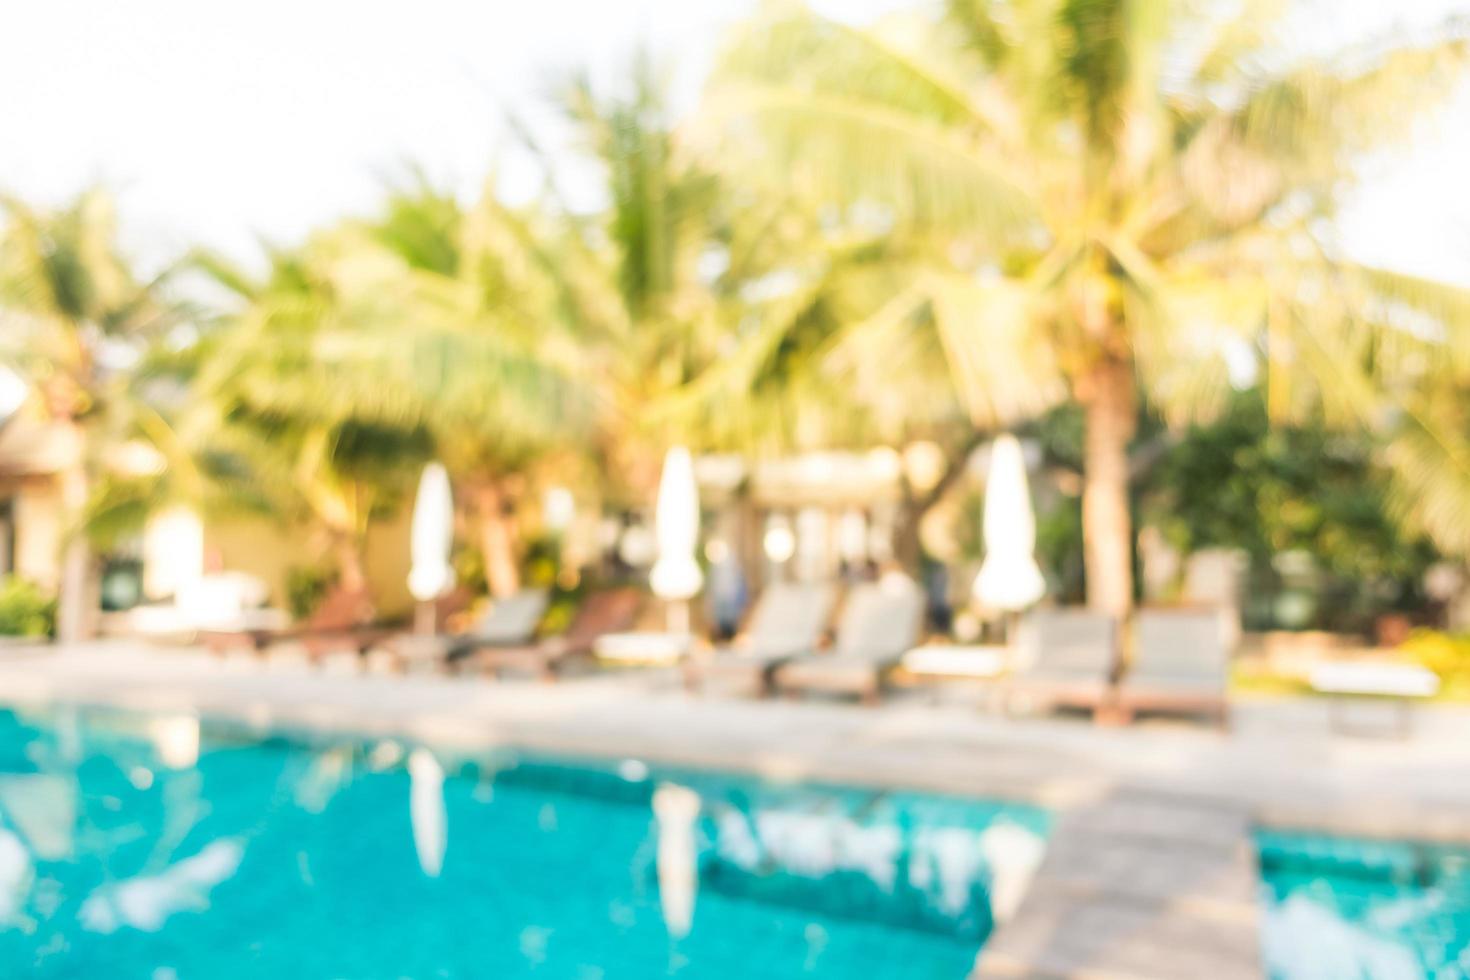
1149,872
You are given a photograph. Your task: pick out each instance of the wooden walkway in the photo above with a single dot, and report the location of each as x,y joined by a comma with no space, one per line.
1137,885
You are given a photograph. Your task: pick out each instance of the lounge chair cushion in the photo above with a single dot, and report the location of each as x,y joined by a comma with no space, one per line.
880,620
788,619
1179,650
512,619
1066,646
879,623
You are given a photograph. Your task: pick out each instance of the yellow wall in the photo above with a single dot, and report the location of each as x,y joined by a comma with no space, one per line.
257,547
388,561
263,549
38,533
253,545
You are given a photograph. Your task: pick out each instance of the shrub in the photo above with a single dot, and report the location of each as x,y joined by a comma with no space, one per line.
1447,654
306,586
25,610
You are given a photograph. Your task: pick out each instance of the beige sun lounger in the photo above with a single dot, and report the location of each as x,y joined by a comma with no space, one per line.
1181,662
880,622
342,622
1064,658
600,613
510,621
789,619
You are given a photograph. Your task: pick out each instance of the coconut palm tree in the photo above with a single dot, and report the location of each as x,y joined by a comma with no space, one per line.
500,387
281,433
424,327
1123,198
1428,451
74,318
637,276
702,299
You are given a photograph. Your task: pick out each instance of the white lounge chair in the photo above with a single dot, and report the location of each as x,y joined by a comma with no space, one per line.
788,620
879,623
1181,663
510,621
1065,658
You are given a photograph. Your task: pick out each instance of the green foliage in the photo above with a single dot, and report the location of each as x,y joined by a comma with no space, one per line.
25,610
306,587
469,568
1059,548
1429,453
1143,186
1447,654
1242,483
560,612
541,562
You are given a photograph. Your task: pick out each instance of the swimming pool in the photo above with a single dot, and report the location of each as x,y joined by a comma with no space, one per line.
143,846
1338,907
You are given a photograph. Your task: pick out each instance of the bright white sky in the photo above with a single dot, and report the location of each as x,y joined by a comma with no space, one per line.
224,122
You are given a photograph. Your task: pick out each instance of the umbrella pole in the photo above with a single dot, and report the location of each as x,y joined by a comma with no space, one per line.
423,619
678,617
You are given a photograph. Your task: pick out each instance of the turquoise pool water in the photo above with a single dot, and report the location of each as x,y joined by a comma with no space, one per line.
1343,909
142,847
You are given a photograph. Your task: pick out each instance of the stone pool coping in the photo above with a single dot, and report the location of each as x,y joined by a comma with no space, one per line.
1150,870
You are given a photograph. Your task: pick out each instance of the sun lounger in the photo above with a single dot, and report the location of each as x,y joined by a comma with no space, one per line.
1180,664
510,621
1065,658
789,619
603,612
342,621
879,623
1396,684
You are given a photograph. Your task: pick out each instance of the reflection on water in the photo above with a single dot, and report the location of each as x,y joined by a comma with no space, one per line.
951,877
176,739
426,809
146,901
1339,907
676,808
135,846
1304,940
43,809
15,877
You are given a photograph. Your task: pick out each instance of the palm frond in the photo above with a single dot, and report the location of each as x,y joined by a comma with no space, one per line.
1430,460
847,151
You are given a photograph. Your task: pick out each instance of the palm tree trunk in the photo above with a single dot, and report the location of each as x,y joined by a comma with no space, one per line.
1109,399
496,514
351,570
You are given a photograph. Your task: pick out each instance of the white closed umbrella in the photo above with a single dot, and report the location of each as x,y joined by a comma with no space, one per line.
432,537
1009,579
676,575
